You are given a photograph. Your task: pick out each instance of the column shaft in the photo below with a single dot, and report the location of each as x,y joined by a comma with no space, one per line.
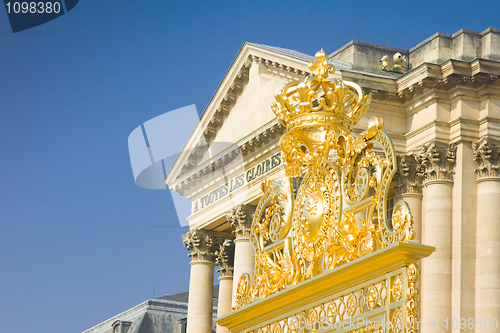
225,258
244,262
225,299
488,251
436,277
204,246
200,306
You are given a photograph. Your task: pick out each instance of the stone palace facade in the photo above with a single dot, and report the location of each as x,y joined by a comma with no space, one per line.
440,103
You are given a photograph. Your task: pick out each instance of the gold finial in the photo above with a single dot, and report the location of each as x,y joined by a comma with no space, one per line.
321,68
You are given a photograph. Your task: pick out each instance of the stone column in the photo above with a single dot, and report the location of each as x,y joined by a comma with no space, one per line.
437,162
244,261
410,189
488,232
225,259
203,246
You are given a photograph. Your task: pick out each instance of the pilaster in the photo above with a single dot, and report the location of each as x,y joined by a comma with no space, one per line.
464,234
436,167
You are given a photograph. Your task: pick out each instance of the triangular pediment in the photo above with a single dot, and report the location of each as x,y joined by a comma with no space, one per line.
241,105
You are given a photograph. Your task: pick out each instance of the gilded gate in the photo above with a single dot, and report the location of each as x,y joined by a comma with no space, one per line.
327,255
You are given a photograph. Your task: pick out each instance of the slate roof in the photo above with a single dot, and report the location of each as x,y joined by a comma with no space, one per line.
156,315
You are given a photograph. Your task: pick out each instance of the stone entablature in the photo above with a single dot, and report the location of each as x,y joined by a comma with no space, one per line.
204,244
201,174
445,76
231,184
486,155
437,161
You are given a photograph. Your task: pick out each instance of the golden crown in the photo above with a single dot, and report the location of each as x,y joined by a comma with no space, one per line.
319,100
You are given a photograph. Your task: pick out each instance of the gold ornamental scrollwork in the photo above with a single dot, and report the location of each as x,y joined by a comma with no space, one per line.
412,296
339,211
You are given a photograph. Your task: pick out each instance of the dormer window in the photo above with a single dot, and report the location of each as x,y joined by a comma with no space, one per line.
120,326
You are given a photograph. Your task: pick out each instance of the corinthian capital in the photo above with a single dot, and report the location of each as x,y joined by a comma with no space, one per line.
486,155
241,220
410,175
225,258
437,161
203,244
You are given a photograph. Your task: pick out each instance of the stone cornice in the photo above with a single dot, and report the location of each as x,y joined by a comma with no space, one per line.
253,141
437,161
241,218
203,244
463,129
225,258
279,65
409,175
486,154
196,176
445,76
425,127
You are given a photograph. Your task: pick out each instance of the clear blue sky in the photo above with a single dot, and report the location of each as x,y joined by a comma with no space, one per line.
76,242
